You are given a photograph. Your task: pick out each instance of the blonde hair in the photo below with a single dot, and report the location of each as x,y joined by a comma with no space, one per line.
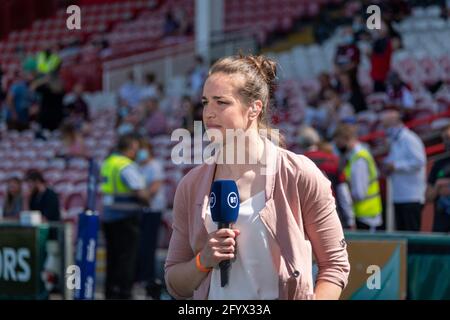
259,74
346,131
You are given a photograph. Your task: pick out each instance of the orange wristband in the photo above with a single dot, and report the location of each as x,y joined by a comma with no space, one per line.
199,265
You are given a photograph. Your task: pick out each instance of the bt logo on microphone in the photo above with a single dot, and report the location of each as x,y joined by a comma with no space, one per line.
212,199
232,200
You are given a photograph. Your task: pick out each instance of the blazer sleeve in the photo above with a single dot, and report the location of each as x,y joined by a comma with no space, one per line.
179,250
322,225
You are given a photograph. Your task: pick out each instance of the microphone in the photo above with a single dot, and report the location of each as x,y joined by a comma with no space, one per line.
224,205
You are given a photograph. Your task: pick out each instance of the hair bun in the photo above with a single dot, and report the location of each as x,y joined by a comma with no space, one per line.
266,67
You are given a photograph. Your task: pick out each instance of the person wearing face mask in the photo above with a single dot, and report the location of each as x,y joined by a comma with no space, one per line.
438,189
153,172
124,196
347,56
383,47
405,164
361,174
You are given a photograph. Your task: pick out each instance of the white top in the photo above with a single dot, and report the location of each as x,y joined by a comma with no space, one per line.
154,171
407,153
253,275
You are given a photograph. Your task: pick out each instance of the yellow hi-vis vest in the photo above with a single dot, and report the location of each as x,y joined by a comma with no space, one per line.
110,172
371,205
47,64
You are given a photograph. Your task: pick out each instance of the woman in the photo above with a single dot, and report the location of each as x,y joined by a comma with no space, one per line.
14,199
153,172
286,209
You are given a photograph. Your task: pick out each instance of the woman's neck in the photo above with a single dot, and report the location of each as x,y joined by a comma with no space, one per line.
242,156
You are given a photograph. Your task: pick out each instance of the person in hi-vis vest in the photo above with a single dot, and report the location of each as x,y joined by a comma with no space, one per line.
48,60
361,174
124,196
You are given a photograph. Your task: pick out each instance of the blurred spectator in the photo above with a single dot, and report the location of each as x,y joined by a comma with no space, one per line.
14,198
71,48
76,107
187,111
347,60
19,100
153,172
361,174
48,60
359,28
73,142
150,88
27,61
155,123
380,57
105,49
326,82
310,145
351,92
42,197
347,56
338,110
197,77
399,93
124,197
127,125
181,16
129,93
171,25
2,92
438,189
405,164
167,103
51,90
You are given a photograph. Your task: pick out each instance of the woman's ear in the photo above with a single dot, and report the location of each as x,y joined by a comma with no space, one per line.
255,109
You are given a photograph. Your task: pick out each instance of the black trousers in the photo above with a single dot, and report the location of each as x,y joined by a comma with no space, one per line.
441,221
408,216
148,243
121,251
379,86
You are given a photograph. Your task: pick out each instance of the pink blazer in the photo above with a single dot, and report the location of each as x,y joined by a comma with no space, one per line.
300,215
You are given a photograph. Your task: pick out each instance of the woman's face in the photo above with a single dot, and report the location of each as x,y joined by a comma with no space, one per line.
13,187
223,107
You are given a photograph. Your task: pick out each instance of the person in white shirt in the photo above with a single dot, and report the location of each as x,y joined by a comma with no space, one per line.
150,89
405,164
154,176
130,93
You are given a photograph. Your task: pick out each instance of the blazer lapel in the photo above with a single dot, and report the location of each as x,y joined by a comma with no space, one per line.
202,196
271,167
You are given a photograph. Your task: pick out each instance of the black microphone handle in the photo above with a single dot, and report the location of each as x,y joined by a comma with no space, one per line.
225,264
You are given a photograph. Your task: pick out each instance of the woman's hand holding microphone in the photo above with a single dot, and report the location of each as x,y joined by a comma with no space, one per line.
221,245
